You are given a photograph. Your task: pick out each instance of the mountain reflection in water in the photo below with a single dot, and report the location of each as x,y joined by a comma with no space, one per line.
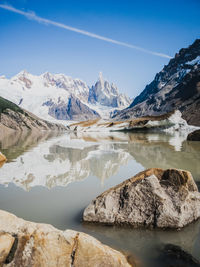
50,160
78,167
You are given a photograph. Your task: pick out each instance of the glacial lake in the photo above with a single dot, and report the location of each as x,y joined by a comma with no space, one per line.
51,178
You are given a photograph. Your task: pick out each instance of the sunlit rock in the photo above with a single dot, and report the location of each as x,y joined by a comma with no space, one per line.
168,122
152,198
43,245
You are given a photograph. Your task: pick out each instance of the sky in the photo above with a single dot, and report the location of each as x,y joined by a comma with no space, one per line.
129,41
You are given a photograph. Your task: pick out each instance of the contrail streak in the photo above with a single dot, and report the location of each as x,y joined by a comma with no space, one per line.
33,16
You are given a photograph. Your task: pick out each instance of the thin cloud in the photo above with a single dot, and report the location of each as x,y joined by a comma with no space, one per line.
33,16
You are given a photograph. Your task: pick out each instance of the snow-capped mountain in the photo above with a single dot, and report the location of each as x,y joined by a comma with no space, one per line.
57,96
107,94
176,86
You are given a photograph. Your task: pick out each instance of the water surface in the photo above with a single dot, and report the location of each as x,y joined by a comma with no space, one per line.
51,178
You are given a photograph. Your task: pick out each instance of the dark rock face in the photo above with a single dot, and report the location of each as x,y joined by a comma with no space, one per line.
74,110
177,86
153,198
194,136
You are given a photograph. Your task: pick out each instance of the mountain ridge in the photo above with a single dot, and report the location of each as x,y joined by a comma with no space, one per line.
14,118
176,86
57,96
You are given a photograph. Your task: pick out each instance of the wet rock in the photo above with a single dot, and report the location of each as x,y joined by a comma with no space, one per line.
152,198
194,136
170,255
44,245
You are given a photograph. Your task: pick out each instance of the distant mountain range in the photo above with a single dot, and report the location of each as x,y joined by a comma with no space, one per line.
176,86
57,96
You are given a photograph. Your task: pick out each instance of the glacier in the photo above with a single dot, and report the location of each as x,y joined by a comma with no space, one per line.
60,97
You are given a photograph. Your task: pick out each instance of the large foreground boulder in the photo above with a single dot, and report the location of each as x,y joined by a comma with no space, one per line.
194,136
25,244
153,198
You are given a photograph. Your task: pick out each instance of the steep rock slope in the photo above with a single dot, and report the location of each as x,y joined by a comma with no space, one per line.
73,109
57,96
177,86
12,117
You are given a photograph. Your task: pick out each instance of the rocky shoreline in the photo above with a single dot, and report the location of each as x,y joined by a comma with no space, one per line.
154,198
168,122
24,243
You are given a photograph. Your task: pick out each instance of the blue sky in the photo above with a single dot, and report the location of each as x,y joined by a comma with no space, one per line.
160,26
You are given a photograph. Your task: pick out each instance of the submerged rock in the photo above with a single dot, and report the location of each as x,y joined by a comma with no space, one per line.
194,136
172,255
153,198
24,244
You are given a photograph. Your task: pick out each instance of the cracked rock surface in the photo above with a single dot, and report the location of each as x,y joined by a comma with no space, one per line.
152,198
24,243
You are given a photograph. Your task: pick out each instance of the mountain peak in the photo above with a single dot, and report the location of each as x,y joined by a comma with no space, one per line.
23,73
107,94
176,86
60,96
100,75
47,75
101,79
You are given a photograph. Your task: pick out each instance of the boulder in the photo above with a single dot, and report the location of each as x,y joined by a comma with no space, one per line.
194,136
24,243
153,198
